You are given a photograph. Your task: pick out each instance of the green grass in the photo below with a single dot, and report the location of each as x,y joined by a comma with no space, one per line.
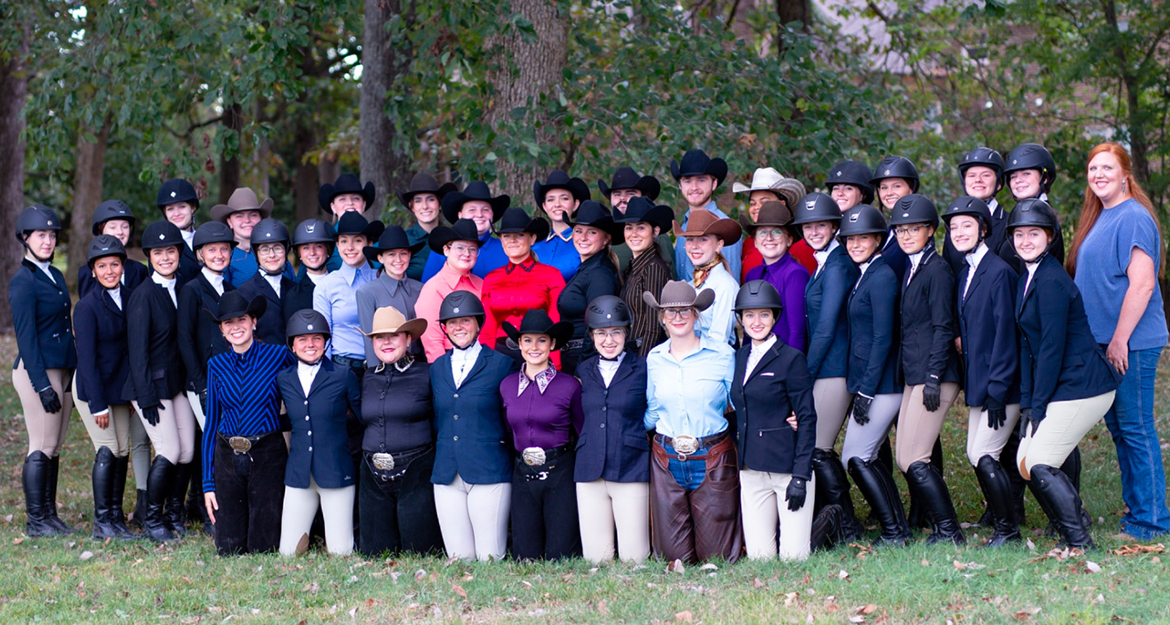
47,580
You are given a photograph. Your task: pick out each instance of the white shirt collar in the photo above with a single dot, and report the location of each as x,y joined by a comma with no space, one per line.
216,279
462,361
189,237
315,278
306,373
116,295
757,354
44,266
608,368
974,257
168,284
823,255
274,281
916,258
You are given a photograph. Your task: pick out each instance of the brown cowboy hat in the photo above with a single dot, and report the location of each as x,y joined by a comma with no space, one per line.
772,213
703,222
242,199
679,294
389,320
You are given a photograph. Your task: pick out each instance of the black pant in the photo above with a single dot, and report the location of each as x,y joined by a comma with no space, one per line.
249,488
399,507
544,511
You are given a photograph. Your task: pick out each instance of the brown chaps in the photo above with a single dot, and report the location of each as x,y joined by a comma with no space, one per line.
701,524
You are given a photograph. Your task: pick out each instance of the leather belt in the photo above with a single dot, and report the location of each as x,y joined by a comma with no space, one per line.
352,363
687,445
243,444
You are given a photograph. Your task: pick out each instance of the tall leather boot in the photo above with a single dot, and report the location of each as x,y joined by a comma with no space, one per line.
879,490
1012,469
158,483
885,461
997,489
117,498
32,477
175,515
51,497
936,499
827,528
139,513
1055,491
833,489
103,487
1072,468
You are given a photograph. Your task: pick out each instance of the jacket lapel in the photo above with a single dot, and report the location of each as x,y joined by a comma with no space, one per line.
625,368
770,355
111,307
973,281
326,366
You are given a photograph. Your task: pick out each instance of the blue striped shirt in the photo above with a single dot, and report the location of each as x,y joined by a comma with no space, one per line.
243,398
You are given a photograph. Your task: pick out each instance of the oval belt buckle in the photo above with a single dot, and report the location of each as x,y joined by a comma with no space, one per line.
533,456
240,444
383,462
685,445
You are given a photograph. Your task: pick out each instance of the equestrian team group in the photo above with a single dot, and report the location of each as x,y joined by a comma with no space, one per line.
578,383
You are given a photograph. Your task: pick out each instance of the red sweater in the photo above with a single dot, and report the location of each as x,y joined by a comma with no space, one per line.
512,290
800,251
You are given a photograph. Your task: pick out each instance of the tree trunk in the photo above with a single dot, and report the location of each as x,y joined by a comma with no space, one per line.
13,93
307,181
529,69
229,166
87,193
789,11
382,64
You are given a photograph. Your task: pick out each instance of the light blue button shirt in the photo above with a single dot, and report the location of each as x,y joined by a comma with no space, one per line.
244,266
733,253
689,397
335,297
718,321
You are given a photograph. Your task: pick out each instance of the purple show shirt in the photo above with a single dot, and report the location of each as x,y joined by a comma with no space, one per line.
547,419
789,277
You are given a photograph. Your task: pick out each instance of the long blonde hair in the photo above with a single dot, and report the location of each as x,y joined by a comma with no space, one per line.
1092,207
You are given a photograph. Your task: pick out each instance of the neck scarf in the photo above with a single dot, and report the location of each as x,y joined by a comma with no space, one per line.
701,273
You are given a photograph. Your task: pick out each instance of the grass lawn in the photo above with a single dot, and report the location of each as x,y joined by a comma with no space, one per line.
78,580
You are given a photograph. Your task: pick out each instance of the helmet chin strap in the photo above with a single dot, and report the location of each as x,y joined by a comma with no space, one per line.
28,248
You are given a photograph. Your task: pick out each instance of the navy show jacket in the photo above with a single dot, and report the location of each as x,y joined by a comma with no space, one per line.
320,443
873,332
828,330
471,434
613,444
103,361
199,335
41,319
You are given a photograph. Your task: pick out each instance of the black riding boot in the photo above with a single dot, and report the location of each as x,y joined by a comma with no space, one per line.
51,498
1012,469
158,484
833,489
997,489
117,496
827,528
175,515
879,491
103,487
936,499
1062,503
32,476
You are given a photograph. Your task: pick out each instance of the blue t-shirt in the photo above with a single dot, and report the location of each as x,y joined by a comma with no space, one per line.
1101,265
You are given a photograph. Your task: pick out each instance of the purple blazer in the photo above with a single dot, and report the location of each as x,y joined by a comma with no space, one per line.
790,278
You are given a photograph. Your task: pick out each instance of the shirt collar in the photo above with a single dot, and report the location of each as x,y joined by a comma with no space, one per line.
470,353
351,274
163,282
823,255
917,257
43,266
758,350
527,265
974,257
452,277
543,379
565,235
216,279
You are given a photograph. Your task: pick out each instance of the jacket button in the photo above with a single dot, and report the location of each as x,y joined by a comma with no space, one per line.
455,438
306,417
456,417
310,432
306,402
310,448
603,408
456,395
603,426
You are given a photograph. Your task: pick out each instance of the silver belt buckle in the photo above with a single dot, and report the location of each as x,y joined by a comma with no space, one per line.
240,444
383,462
685,445
533,456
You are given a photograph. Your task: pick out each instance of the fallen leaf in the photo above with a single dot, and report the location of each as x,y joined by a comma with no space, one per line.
709,567
925,562
17,541
459,590
603,607
676,567
1022,616
684,617
85,555
1031,545
857,618
756,583
867,609
1092,567
1133,550
842,574
353,613
420,574
959,565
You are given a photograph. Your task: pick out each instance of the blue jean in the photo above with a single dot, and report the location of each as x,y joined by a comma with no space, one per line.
687,473
1131,424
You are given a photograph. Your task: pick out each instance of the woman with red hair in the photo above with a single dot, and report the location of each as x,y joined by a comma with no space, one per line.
1115,258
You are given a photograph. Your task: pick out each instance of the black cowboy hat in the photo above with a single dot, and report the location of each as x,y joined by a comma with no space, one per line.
560,180
393,238
697,163
461,230
425,183
627,178
352,222
345,183
475,191
594,215
642,209
537,321
515,219
232,304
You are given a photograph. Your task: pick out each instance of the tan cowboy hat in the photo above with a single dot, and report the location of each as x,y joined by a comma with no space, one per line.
389,320
703,222
768,179
242,199
679,294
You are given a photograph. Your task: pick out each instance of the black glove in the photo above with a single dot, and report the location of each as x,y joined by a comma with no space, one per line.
796,493
996,412
931,395
1028,416
150,413
861,405
50,401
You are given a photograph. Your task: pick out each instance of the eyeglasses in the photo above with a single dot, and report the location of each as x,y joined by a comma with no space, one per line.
270,249
464,250
765,234
681,313
616,334
909,231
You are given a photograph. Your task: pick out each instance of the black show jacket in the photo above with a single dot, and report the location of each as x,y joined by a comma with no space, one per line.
199,335
928,322
103,361
271,325
987,326
156,368
778,386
